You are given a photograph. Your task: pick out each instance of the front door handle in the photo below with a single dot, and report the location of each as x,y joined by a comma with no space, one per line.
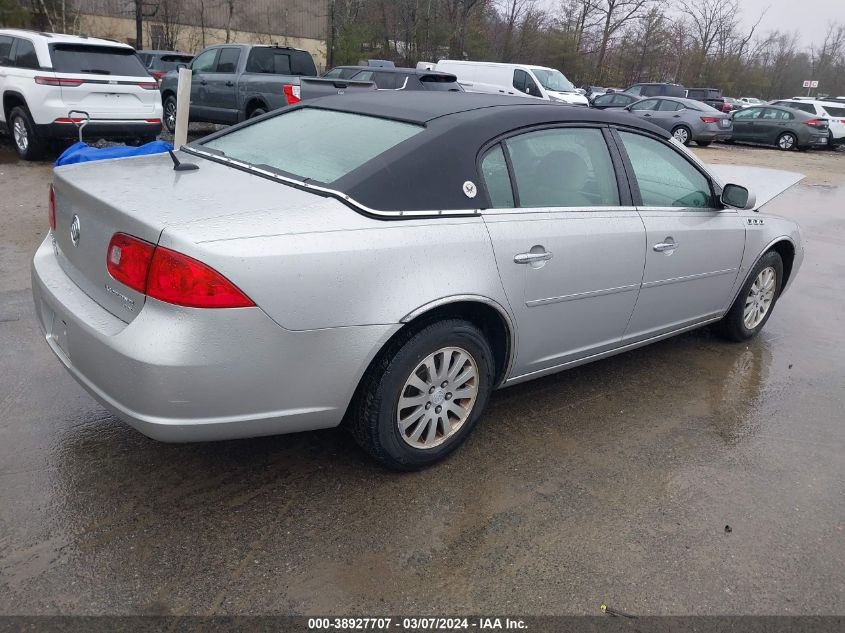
666,246
530,258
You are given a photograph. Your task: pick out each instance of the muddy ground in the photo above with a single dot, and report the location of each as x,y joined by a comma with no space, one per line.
614,482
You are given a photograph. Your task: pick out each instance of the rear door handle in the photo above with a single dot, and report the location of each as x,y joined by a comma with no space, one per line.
665,247
530,258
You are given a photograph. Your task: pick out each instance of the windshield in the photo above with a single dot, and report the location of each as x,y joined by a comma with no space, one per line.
96,60
553,80
314,144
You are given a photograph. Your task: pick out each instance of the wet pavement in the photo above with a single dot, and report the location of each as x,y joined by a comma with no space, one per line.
691,476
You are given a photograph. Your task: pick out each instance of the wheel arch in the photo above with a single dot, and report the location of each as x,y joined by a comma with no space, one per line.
167,94
784,247
253,103
12,99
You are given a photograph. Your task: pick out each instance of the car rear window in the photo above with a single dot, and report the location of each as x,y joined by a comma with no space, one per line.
314,144
96,60
443,83
280,61
834,111
170,62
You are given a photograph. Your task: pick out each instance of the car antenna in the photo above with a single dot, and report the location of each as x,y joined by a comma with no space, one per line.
180,166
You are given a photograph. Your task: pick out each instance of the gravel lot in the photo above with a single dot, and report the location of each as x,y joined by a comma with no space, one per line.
613,482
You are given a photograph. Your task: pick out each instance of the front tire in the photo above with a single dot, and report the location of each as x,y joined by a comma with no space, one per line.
755,302
28,144
422,397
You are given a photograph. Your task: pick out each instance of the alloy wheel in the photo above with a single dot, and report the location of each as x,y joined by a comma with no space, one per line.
787,141
760,297
170,115
681,135
437,398
21,134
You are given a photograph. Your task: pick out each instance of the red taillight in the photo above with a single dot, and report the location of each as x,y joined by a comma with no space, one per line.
170,276
65,119
52,208
153,120
710,119
815,122
148,85
58,81
158,74
128,260
292,93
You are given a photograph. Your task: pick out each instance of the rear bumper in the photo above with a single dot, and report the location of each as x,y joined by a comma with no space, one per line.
110,129
185,374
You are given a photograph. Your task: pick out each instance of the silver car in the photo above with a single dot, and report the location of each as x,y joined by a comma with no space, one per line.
687,120
385,260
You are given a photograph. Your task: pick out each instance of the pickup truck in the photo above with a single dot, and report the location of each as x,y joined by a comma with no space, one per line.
234,82
712,97
314,87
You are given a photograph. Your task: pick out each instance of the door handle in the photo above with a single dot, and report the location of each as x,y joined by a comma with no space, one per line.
203,82
665,247
230,83
530,258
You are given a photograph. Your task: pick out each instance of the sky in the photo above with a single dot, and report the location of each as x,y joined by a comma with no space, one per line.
809,18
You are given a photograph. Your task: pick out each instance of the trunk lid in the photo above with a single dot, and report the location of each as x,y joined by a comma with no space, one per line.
143,196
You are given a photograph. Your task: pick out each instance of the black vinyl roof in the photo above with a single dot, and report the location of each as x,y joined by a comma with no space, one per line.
427,172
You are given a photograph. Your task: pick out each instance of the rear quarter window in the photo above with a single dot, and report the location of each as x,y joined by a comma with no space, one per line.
834,111
96,60
321,145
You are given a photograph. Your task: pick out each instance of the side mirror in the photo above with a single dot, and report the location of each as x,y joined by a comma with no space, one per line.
738,197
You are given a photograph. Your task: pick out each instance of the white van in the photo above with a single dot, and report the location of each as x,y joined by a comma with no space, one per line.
513,79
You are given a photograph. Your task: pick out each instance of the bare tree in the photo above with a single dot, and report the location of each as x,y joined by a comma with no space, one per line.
613,15
458,12
514,11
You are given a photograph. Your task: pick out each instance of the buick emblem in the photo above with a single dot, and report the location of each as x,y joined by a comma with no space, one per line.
75,231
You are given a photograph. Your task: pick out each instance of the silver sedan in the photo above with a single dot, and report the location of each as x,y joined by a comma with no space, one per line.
384,261
685,119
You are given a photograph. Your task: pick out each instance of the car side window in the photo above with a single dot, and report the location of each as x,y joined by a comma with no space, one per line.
497,180
770,114
227,62
25,55
5,50
604,99
204,63
622,100
519,77
665,178
563,167
388,81
748,113
645,104
669,106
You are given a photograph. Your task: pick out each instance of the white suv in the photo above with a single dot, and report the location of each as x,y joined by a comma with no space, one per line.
832,111
45,76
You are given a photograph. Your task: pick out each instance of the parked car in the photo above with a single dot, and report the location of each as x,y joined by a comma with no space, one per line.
735,104
656,90
233,82
44,76
513,79
786,128
409,79
343,72
832,111
751,101
159,63
613,100
290,283
593,91
712,97
687,120
315,87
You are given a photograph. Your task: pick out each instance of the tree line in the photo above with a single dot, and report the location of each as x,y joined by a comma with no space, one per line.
697,43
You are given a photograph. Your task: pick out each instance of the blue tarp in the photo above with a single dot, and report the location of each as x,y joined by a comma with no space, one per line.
83,153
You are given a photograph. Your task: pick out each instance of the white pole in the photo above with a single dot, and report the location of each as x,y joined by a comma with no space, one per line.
183,107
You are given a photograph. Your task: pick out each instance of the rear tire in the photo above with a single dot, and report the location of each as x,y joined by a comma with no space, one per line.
703,143
742,321
170,114
417,435
256,113
682,134
28,144
787,142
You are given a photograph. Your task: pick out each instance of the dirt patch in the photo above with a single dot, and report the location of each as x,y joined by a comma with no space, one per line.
821,167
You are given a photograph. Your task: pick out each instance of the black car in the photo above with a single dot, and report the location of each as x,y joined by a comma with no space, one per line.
785,128
409,79
159,63
656,90
712,97
614,100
